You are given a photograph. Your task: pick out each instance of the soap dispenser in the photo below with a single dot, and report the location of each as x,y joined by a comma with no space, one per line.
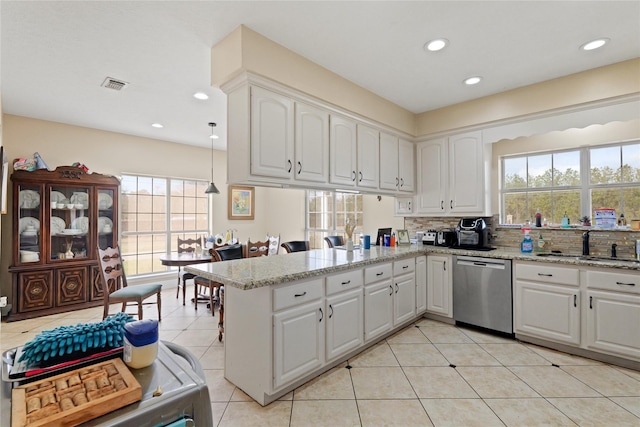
527,244
565,221
542,245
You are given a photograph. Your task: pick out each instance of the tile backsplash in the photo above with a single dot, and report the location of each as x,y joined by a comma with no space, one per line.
557,239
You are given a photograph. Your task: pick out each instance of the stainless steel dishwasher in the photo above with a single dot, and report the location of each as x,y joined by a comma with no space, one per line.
482,294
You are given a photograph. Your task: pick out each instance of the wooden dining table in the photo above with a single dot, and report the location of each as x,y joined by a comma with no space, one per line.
180,260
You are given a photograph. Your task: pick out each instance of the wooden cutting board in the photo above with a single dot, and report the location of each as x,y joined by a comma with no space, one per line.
74,397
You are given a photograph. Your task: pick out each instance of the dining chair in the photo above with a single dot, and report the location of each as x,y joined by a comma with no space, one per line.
256,249
185,246
296,246
229,252
114,285
274,244
333,241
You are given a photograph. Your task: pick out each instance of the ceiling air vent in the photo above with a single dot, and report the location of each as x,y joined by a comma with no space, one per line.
115,84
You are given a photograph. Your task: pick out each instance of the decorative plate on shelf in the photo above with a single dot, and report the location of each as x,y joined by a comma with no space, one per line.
29,199
80,198
81,223
104,201
103,221
71,231
58,197
27,221
57,225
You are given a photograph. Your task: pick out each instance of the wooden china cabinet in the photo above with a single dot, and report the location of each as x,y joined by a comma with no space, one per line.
60,217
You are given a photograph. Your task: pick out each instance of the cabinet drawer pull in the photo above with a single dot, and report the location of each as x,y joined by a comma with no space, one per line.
347,282
406,266
545,274
625,284
300,295
380,274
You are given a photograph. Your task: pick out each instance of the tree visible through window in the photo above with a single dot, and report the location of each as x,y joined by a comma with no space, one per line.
327,213
155,212
556,183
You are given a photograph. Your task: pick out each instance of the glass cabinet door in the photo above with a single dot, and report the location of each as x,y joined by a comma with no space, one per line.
106,228
29,227
69,227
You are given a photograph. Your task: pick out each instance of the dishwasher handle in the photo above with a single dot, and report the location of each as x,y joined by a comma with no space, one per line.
481,264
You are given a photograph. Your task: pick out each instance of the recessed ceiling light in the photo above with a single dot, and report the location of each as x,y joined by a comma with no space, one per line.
436,45
594,44
214,136
200,95
472,80
157,125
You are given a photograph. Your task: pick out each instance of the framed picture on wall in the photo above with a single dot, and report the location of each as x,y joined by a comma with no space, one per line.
241,202
4,178
403,237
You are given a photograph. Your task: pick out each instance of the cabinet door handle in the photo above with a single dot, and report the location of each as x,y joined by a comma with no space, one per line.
545,274
575,300
321,315
354,176
445,265
391,289
441,204
451,204
300,295
360,176
290,166
591,303
409,205
300,168
401,182
397,182
625,284
380,274
331,308
347,282
396,288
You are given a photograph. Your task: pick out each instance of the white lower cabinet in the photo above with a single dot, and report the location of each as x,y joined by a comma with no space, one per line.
421,284
344,323
404,296
439,285
298,341
378,300
547,311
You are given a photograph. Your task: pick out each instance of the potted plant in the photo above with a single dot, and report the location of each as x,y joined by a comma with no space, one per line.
586,221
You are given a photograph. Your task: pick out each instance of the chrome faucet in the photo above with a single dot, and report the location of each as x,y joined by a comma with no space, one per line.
585,243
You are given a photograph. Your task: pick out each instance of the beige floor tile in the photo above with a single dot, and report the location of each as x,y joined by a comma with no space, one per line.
330,413
240,396
514,354
333,384
631,404
605,380
550,381
177,322
198,352
200,336
466,355
220,390
448,335
424,322
381,383
418,355
481,337
217,410
438,382
629,372
212,358
595,412
25,325
378,355
460,412
205,322
495,382
560,358
168,335
528,412
390,413
244,414
410,335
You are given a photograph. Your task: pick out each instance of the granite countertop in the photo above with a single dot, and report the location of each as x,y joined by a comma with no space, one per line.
250,273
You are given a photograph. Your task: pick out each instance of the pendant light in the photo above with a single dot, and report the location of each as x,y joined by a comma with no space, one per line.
212,189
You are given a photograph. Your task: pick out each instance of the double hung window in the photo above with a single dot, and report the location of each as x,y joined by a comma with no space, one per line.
327,213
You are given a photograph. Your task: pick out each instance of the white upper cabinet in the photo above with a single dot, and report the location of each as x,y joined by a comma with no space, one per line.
368,156
272,135
343,151
451,175
389,179
406,166
311,143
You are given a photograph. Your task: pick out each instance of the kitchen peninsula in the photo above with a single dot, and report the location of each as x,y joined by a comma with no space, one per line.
289,318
